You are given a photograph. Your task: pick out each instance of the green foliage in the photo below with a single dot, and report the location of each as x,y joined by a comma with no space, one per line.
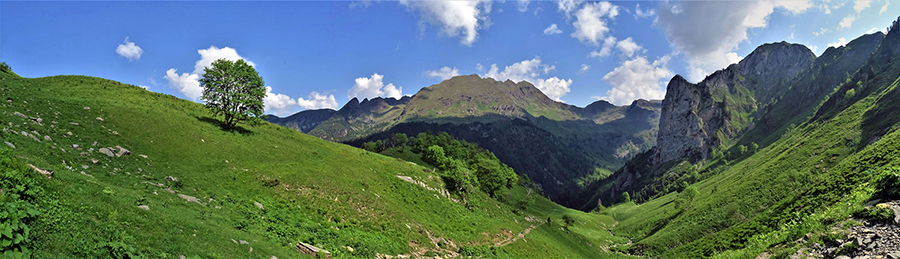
435,155
686,198
4,68
568,220
849,94
754,147
626,197
399,139
887,183
493,175
233,89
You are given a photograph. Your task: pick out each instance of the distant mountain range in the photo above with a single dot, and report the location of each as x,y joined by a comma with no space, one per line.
561,147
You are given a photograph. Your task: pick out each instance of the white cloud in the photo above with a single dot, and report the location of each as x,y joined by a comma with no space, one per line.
584,69
709,46
641,13
129,50
884,8
606,50
839,43
530,71
637,79
145,87
553,87
278,104
360,4
629,47
318,101
861,5
207,56
444,73
186,83
569,6
370,87
552,30
454,18
590,25
479,67
522,5
821,32
847,21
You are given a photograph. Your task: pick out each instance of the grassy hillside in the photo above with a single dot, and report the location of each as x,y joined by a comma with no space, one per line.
789,194
189,188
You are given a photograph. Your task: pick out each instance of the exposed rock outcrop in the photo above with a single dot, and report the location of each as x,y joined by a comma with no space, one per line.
695,116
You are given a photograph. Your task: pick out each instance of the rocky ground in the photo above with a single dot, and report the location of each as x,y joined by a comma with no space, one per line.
870,239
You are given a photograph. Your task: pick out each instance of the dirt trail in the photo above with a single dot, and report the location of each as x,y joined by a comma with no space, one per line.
509,238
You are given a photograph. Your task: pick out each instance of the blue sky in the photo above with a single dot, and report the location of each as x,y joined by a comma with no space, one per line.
319,54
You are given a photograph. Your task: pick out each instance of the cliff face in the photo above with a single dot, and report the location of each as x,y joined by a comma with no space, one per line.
695,116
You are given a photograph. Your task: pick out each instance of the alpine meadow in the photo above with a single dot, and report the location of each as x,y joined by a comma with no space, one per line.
539,129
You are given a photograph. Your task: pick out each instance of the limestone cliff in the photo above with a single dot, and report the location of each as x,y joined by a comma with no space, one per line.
695,117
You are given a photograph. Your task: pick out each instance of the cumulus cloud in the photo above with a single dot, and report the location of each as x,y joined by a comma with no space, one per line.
454,18
522,5
278,104
479,67
315,100
129,50
591,22
360,4
552,30
569,6
839,43
370,87
847,21
821,32
444,73
628,47
606,50
884,8
531,71
861,5
207,56
584,69
186,83
709,46
637,78
638,13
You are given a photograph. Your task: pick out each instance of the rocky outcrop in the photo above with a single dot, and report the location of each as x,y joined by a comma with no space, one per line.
695,116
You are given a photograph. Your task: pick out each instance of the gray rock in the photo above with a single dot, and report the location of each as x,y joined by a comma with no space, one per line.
690,119
145,207
20,115
107,151
122,151
842,257
10,144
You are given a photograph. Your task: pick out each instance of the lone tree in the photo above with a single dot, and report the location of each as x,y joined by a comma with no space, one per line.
233,89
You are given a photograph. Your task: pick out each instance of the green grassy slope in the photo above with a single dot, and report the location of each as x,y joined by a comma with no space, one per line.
310,190
812,177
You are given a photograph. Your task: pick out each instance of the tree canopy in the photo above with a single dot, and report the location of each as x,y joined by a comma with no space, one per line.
233,89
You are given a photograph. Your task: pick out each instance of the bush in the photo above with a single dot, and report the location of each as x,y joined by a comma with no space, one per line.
849,94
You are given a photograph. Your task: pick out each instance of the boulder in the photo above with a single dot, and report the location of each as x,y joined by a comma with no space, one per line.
122,151
107,151
20,115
